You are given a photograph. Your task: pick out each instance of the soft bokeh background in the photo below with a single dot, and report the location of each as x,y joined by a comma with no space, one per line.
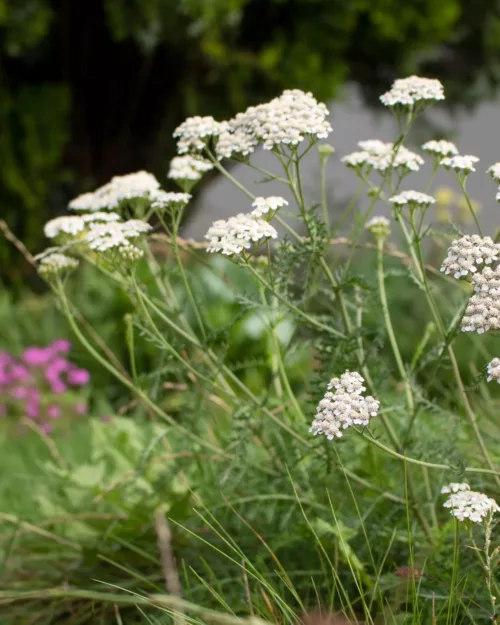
94,88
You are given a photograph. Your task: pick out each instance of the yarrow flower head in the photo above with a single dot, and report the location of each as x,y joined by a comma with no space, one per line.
494,172
115,240
380,227
232,236
454,487
440,148
169,199
413,90
467,252
413,199
343,407
71,226
56,264
493,369
188,168
119,189
469,505
194,133
381,156
483,308
285,120
461,164
264,205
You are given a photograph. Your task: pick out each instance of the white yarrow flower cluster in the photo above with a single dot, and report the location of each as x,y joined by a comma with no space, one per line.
494,172
468,505
188,167
380,156
343,407
194,133
164,199
285,120
379,226
493,369
117,238
232,236
413,90
55,264
483,308
66,225
440,148
460,164
140,184
412,198
265,205
467,252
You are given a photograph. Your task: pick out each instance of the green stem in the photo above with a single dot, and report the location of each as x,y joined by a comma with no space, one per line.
324,199
461,182
126,382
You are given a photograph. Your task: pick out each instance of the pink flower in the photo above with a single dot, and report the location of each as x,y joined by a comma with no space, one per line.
37,356
19,392
78,377
81,407
61,346
54,411
19,372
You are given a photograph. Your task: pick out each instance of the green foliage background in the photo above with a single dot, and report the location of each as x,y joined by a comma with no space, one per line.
92,88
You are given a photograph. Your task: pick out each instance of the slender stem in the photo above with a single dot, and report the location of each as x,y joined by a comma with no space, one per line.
462,183
422,463
296,310
180,266
324,199
390,330
126,382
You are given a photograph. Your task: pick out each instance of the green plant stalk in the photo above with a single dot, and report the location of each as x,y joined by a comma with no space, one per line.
126,382
422,463
461,182
292,307
180,266
401,368
324,198
416,254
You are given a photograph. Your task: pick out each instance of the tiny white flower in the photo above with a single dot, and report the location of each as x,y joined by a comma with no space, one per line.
163,199
71,226
412,90
55,264
379,227
230,237
344,407
493,369
440,148
381,156
412,198
469,505
494,172
194,133
455,487
461,164
264,205
467,252
188,167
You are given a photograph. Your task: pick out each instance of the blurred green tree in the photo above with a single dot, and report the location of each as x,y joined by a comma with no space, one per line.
91,88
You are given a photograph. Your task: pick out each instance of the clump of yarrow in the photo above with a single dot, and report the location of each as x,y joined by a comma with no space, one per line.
188,168
381,156
493,370
120,190
413,199
440,148
56,265
379,226
285,121
343,406
483,308
460,164
468,505
232,236
267,206
413,91
467,252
